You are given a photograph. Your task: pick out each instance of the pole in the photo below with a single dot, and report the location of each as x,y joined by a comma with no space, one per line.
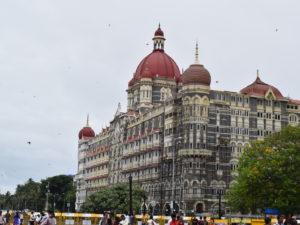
173,178
220,212
130,195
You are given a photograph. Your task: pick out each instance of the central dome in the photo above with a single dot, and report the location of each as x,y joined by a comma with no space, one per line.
157,64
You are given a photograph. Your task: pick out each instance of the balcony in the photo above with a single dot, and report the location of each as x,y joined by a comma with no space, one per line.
195,152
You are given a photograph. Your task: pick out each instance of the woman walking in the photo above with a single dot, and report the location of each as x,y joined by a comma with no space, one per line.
17,219
50,220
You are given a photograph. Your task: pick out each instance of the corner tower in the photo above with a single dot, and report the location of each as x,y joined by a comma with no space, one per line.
157,78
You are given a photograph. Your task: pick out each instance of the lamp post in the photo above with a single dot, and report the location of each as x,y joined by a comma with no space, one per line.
130,195
177,140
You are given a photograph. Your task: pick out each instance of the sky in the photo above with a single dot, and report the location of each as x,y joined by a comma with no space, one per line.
63,59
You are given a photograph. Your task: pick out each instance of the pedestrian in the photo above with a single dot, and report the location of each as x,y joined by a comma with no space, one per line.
2,221
17,218
117,220
151,221
291,221
205,221
280,220
7,217
180,220
194,221
32,218
268,221
173,220
21,218
212,221
124,220
50,220
144,219
37,218
44,216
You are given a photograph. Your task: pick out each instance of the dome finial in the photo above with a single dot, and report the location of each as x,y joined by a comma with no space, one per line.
87,120
196,54
257,73
159,25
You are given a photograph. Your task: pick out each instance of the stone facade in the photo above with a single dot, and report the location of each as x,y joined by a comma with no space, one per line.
179,142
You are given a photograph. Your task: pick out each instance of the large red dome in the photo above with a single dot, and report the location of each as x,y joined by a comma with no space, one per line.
86,132
260,89
157,65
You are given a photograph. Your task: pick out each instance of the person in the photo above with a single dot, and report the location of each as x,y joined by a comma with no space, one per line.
37,218
7,217
17,218
151,221
117,221
173,220
212,221
205,221
267,221
50,220
194,221
1,219
21,218
180,220
32,218
291,221
280,220
106,220
124,220
44,216
144,219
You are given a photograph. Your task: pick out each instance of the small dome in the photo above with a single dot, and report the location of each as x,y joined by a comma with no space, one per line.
259,88
196,74
86,132
159,32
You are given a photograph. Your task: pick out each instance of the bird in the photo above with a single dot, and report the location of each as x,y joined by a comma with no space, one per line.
29,142
217,81
147,43
276,29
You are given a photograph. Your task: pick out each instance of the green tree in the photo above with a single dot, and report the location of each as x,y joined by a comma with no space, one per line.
115,199
61,192
27,195
269,175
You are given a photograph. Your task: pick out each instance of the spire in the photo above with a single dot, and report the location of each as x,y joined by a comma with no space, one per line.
87,120
257,73
118,109
196,54
158,39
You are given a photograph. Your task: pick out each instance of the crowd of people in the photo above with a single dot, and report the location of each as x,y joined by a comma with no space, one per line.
17,218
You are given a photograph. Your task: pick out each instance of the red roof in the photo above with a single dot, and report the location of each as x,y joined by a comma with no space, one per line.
159,32
86,132
196,74
157,65
259,88
294,101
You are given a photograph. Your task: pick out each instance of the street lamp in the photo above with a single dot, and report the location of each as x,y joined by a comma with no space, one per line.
130,194
177,140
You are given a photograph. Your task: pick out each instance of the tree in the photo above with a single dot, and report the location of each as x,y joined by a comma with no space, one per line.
269,176
115,199
61,192
27,195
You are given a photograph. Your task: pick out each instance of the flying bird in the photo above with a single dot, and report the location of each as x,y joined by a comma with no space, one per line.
276,29
29,142
147,43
